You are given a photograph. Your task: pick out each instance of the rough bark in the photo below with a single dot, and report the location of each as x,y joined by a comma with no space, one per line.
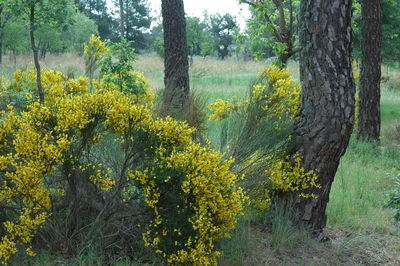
369,117
326,115
122,18
176,63
35,53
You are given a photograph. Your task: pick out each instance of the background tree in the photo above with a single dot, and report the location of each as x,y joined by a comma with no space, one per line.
369,117
157,40
48,40
223,29
390,31
137,22
176,63
326,113
121,18
198,37
38,13
276,22
97,10
2,24
78,33
15,39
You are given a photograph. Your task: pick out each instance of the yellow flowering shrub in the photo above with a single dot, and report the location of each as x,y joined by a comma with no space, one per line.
221,109
185,228
277,173
279,95
265,136
49,165
276,95
93,51
289,175
95,47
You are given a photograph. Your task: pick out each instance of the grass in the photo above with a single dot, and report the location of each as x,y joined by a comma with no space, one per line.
361,231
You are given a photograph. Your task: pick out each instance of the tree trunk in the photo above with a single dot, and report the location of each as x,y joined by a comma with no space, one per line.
14,56
1,33
122,18
176,63
284,58
326,115
369,117
35,53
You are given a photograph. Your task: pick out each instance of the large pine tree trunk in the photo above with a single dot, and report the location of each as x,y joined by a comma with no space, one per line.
369,118
326,113
176,63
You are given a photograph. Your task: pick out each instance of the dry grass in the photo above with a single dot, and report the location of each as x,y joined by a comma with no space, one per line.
343,248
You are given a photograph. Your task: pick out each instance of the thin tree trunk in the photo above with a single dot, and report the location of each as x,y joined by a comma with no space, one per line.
14,56
176,63
369,117
326,115
122,18
35,54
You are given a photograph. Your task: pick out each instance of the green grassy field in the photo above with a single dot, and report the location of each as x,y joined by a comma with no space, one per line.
361,230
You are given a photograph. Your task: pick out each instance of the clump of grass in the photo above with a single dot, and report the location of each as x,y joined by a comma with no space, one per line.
240,246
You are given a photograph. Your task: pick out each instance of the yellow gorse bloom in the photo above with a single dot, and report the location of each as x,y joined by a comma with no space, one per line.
41,138
95,47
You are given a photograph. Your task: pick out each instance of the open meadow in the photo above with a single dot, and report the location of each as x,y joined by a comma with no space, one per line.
360,230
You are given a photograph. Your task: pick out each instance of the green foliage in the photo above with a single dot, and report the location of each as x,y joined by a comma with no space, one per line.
199,38
117,67
158,40
137,20
56,13
15,37
273,25
394,198
98,12
390,31
57,27
224,29
78,33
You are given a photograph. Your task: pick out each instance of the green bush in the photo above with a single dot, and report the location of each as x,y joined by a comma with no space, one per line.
394,198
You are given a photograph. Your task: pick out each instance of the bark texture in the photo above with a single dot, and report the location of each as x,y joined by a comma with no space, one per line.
326,115
369,117
176,63
35,52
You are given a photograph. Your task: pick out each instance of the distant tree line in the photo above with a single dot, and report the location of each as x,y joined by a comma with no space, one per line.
271,31
79,19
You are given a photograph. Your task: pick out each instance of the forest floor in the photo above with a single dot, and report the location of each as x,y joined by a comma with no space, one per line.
360,230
